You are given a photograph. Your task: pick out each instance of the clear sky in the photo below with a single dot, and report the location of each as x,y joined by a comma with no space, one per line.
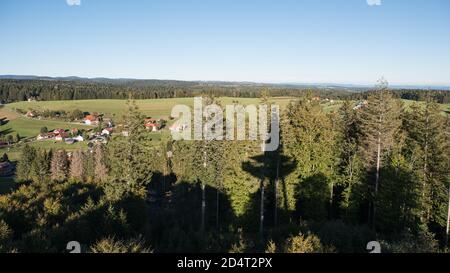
309,41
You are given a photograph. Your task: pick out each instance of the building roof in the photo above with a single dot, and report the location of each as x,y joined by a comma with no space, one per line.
91,118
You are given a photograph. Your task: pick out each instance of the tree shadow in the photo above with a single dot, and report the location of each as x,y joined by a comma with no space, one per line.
312,198
175,222
265,211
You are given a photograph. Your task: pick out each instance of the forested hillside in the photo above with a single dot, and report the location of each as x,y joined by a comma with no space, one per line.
12,90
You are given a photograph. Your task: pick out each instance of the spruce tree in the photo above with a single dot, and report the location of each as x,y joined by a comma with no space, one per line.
100,168
77,166
25,163
380,123
350,163
309,142
131,156
40,167
429,149
59,166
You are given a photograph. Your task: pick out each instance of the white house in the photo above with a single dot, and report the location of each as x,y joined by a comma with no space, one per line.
79,138
106,131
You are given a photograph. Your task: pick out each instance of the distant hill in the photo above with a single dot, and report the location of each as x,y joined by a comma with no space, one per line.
154,82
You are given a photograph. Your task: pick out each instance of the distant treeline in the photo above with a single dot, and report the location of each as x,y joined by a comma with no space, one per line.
21,90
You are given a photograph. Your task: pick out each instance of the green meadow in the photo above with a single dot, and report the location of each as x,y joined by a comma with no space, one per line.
156,108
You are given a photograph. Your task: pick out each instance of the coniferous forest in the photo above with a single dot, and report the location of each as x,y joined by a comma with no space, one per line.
339,180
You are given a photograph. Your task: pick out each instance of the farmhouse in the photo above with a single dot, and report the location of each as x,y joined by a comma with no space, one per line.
45,136
91,120
107,131
152,124
31,114
79,138
58,134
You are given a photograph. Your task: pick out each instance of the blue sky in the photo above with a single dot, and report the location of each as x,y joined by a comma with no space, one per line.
311,41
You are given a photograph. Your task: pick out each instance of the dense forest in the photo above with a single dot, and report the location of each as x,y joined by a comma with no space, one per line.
338,181
12,90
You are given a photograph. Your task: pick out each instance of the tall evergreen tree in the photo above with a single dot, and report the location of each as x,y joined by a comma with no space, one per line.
40,167
309,141
101,169
131,156
25,163
59,166
429,149
380,123
350,162
77,166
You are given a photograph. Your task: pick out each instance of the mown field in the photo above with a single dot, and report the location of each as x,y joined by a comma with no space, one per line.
156,108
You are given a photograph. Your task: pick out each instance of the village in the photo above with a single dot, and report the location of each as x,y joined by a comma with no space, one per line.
104,128
102,131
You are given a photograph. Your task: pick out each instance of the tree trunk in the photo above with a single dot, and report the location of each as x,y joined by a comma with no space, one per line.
377,179
202,228
331,195
164,181
217,208
275,214
425,170
261,223
448,218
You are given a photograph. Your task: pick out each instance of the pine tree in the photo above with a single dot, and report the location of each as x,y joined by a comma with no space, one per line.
40,167
398,199
380,123
131,156
77,168
350,163
308,141
59,166
208,161
101,169
25,163
428,149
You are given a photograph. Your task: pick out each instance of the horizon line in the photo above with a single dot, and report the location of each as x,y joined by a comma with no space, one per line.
343,84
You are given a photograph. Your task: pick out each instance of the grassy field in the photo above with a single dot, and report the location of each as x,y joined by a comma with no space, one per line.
27,127
156,108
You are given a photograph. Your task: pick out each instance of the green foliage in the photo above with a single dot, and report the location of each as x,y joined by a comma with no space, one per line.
301,243
112,245
5,236
308,140
409,243
129,195
24,168
131,156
